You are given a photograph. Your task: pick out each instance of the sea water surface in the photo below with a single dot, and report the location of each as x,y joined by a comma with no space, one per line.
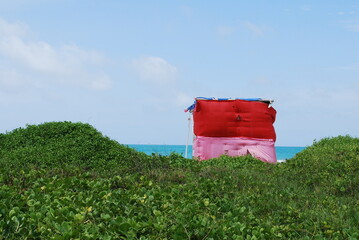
283,153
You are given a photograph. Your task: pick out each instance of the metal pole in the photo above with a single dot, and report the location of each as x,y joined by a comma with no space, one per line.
188,133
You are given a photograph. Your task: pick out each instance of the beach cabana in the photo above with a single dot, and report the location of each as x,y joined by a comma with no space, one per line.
234,127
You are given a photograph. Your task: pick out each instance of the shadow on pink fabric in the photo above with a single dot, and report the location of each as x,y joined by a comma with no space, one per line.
213,147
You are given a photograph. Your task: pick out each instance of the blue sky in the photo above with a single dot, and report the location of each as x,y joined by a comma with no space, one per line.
129,68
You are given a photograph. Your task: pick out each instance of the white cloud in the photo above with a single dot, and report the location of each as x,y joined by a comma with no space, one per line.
164,87
256,29
351,25
12,29
347,12
155,69
67,64
187,11
306,8
224,30
101,83
8,78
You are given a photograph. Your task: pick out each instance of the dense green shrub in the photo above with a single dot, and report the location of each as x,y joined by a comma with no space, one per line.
66,180
60,144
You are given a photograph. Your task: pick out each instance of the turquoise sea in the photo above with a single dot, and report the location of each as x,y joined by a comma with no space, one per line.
282,152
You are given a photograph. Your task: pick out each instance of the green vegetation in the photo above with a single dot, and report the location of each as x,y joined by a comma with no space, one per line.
65,180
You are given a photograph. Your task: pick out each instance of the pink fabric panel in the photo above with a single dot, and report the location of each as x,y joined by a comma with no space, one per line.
212,147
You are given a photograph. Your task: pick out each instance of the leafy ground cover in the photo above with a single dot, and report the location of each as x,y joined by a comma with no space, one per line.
64,180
